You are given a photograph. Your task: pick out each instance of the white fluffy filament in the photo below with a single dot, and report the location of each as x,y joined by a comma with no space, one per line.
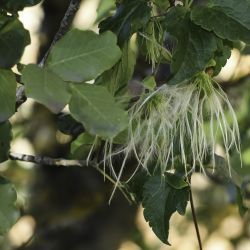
182,121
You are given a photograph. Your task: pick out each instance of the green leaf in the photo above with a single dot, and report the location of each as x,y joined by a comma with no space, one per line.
45,87
80,148
162,4
225,173
135,186
117,78
13,39
7,94
96,109
8,211
175,181
16,5
149,82
121,138
160,201
83,55
194,49
228,19
130,16
5,138
221,55
240,202
104,8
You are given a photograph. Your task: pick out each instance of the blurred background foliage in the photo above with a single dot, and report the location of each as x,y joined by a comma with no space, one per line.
66,208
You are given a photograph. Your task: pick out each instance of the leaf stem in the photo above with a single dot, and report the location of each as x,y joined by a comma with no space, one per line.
195,219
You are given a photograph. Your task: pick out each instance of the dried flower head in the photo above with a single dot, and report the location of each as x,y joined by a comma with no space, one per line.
183,121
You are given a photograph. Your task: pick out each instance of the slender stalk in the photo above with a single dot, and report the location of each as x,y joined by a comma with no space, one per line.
195,219
44,160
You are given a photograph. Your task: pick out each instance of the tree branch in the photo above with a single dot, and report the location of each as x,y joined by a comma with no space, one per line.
64,27
60,162
20,96
44,160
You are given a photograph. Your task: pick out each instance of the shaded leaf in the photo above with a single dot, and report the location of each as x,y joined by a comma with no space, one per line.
195,46
130,16
96,109
16,5
7,94
8,211
228,19
136,184
240,202
162,4
175,181
226,173
13,39
117,78
80,148
83,55
45,87
5,138
160,201
121,138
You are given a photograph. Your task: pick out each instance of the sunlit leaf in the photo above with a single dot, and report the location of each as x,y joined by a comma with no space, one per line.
228,19
96,109
83,55
45,87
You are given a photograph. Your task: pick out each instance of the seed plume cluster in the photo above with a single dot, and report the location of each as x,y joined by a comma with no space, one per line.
181,122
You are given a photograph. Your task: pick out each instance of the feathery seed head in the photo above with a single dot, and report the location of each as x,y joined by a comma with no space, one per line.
180,122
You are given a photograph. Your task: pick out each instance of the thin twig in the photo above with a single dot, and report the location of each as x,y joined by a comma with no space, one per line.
20,96
60,162
44,160
195,219
64,26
